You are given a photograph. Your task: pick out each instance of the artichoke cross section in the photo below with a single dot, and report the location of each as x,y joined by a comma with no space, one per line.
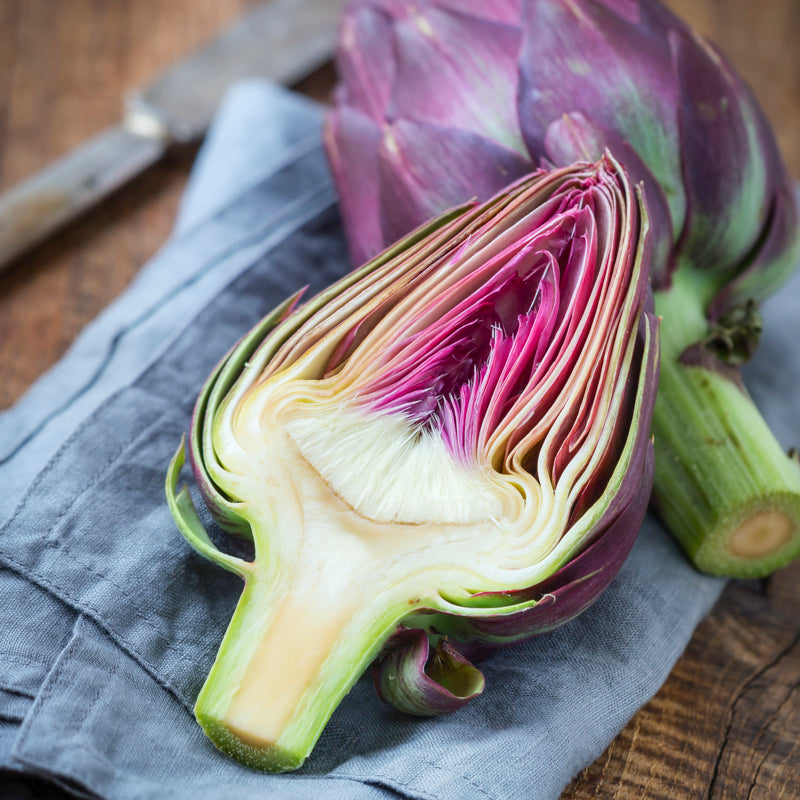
423,452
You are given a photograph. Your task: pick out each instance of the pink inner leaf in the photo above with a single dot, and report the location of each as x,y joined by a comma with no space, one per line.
503,339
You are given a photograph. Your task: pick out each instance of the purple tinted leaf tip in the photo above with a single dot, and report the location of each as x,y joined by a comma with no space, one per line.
410,678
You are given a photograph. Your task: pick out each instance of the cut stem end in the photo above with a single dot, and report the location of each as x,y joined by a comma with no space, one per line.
724,485
760,535
761,538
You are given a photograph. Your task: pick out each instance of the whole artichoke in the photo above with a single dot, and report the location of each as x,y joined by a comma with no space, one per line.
440,101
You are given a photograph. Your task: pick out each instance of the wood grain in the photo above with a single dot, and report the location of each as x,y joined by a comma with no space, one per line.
727,722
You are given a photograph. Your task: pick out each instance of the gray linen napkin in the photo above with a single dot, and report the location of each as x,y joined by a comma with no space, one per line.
109,622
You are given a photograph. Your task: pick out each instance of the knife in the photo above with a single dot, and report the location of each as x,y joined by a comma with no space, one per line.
283,41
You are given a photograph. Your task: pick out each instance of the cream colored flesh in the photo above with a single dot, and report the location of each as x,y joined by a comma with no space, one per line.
761,534
337,556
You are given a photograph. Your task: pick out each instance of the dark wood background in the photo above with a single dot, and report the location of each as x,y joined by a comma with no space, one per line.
727,722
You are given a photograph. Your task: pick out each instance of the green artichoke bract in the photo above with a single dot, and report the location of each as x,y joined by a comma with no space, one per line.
450,445
523,81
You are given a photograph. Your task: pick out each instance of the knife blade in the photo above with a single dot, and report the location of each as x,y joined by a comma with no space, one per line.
282,40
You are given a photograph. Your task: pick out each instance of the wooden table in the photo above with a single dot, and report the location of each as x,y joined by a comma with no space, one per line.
727,722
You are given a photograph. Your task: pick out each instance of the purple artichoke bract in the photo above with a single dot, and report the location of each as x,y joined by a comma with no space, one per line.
439,102
442,101
447,449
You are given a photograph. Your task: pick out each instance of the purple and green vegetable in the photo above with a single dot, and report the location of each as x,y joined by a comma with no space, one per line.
444,100
446,452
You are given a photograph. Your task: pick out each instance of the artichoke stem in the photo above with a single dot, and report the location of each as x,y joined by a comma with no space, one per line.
723,484
283,666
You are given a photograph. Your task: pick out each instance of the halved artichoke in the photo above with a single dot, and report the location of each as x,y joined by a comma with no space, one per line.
450,445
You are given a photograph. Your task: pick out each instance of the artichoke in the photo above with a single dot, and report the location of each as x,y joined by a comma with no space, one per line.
524,82
446,451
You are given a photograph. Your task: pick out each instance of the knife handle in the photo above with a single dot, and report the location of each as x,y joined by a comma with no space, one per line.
35,208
